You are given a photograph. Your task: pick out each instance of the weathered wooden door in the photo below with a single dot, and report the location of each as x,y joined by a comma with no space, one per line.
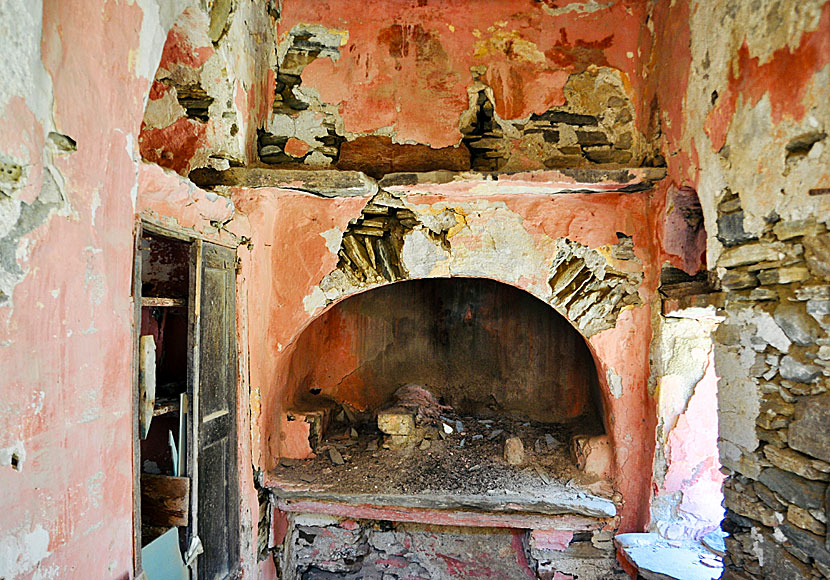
218,494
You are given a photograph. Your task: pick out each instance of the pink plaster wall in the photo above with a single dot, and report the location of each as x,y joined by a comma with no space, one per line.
66,338
65,342
291,257
407,64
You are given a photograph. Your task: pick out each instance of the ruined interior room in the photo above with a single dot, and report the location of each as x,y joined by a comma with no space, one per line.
414,289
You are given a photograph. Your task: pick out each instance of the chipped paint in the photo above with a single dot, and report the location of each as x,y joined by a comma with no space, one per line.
398,57
510,238
614,383
22,552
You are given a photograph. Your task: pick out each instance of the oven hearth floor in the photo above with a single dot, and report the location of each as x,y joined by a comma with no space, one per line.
463,471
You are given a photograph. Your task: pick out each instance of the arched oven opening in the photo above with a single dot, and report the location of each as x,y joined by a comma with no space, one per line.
443,394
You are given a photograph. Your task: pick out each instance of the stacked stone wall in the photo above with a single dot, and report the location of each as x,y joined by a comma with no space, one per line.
774,360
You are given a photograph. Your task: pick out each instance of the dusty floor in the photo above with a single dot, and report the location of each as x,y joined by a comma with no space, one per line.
467,461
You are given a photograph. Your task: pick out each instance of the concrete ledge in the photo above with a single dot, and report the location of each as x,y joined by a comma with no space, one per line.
656,558
588,180
464,518
337,183
324,183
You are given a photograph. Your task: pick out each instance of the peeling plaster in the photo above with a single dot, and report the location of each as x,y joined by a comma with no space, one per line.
614,383
422,257
688,503
22,551
23,70
333,238
590,6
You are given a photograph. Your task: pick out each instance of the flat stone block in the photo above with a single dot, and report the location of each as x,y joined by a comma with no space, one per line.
396,422
514,451
593,455
809,432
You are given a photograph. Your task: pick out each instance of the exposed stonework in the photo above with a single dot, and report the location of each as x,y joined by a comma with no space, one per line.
198,112
396,239
326,547
775,496
589,289
595,126
557,554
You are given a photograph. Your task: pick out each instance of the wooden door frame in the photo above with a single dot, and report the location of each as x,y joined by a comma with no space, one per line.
136,446
145,224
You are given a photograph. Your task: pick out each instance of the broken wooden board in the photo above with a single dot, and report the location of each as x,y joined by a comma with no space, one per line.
165,500
146,382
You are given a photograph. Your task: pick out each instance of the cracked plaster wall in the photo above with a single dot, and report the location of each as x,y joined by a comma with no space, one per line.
520,85
74,91
210,91
509,238
743,116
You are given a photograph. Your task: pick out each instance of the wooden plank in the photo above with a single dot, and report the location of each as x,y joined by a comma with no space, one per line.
165,500
164,302
146,381
166,406
218,497
444,517
163,228
136,426
193,345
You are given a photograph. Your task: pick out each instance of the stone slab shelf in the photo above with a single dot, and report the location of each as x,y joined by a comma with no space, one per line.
543,182
558,510
443,517
322,183
336,183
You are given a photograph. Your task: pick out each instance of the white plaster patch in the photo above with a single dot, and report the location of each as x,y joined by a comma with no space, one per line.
579,7
21,68
9,213
164,111
96,204
308,126
614,383
37,403
47,573
333,237
94,488
319,520
420,255
22,550
315,300
157,18
282,125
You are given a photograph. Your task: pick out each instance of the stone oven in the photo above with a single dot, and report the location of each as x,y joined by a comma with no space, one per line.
460,350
